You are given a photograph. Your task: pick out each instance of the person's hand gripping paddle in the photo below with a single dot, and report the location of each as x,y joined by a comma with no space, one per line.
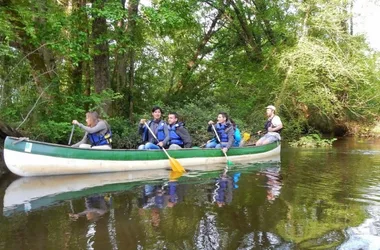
229,163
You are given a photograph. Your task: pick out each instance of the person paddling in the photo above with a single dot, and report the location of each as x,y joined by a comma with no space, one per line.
158,126
225,130
97,132
179,136
273,127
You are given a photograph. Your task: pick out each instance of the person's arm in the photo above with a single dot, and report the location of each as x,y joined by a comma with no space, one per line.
209,128
185,136
83,141
141,128
167,136
98,127
231,139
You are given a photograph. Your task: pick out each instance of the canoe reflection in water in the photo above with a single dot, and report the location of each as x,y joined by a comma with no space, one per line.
224,188
96,207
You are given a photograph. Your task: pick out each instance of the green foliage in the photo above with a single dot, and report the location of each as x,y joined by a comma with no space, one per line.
296,55
124,133
327,80
196,116
312,141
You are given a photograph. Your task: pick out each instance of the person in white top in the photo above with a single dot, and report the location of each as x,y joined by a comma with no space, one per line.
273,127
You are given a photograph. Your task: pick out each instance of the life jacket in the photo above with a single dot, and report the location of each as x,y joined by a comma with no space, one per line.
160,132
98,139
221,130
174,137
269,124
237,137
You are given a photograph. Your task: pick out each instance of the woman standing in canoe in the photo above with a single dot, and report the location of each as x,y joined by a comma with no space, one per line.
98,133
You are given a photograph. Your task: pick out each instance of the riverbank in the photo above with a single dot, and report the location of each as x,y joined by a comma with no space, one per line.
363,130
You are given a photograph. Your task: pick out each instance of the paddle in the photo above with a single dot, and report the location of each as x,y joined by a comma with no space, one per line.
174,164
71,135
217,136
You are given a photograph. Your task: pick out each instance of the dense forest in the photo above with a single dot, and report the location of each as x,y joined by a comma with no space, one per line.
60,58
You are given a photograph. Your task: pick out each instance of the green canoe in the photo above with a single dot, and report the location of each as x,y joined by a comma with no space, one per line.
26,157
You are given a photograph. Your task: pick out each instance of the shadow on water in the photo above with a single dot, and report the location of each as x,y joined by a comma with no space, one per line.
313,199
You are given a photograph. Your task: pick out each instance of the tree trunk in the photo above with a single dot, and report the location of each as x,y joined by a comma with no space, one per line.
132,15
119,76
351,17
261,8
131,78
78,70
87,80
76,77
251,41
101,49
199,53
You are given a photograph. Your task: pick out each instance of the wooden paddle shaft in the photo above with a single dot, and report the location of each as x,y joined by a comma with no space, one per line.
150,130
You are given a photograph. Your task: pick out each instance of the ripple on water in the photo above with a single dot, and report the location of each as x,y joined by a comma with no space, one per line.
364,152
366,235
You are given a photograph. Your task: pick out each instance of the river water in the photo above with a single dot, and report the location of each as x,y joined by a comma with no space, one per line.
313,199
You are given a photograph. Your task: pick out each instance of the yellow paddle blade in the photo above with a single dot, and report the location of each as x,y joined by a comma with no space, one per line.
173,176
176,166
246,137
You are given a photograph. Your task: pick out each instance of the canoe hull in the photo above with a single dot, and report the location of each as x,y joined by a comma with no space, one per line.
32,158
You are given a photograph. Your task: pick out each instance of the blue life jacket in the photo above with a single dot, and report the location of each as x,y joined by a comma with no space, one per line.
97,139
221,130
221,191
173,191
236,178
237,137
160,132
174,137
269,124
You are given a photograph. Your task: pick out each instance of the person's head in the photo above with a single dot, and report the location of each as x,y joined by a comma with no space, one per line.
92,118
270,110
222,117
156,113
172,118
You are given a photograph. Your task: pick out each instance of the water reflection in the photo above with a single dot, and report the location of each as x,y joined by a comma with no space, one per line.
96,207
33,193
224,186
273,182
313,199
